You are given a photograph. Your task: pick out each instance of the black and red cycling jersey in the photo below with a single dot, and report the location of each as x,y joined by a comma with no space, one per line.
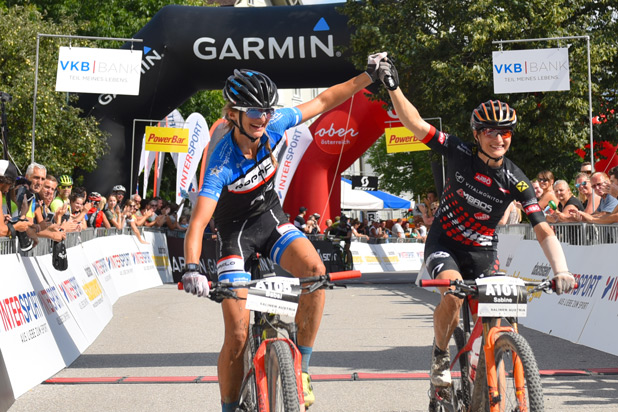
476,195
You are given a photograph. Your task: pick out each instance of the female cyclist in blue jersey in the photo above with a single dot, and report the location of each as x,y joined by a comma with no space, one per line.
238,191
480,184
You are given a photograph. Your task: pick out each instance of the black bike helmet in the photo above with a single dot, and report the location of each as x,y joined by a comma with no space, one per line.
248,88
493,114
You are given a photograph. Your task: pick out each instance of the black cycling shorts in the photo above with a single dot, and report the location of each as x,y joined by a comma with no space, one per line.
471,264
268,234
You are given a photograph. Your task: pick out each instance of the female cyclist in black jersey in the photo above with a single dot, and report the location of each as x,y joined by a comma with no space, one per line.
481,183
238,190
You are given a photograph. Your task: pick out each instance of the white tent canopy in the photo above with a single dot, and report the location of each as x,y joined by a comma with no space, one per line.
369,200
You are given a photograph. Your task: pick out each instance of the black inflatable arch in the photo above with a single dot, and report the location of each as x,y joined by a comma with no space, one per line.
187,49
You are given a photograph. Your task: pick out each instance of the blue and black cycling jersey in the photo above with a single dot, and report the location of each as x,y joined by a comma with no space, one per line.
475,195
244,187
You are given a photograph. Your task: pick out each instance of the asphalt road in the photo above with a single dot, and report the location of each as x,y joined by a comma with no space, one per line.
372,354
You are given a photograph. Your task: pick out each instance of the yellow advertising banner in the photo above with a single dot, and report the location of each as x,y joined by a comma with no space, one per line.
167,139
400,139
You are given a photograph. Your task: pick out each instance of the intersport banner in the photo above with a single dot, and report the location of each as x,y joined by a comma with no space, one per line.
81,290
298,140
199,137
28,344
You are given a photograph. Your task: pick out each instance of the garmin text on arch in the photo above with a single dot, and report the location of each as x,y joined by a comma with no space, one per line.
269,48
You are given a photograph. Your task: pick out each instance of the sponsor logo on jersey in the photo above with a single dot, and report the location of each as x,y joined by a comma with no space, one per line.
521,186
459,177
230,264
437,255
486,180
532,208
474,201
441,138
463,148
481,216
512,177
255,178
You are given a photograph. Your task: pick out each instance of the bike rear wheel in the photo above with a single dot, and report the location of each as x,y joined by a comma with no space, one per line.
510,346
282,390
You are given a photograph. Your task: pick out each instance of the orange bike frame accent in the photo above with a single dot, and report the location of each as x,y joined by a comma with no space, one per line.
492,374
260,374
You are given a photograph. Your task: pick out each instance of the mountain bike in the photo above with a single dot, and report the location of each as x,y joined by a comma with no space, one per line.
497,368
272,362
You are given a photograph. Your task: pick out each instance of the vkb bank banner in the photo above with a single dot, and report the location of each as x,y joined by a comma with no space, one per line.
521,71
91,70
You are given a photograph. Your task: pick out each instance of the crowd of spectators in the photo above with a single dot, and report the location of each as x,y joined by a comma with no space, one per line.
40,205
376,231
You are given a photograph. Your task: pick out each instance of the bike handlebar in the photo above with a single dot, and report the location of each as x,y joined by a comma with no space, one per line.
470,285
322,281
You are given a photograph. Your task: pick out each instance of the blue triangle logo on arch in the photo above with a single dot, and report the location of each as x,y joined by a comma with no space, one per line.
321,25
146,49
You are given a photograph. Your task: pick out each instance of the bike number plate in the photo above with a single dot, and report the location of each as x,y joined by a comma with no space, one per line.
502,296
278,295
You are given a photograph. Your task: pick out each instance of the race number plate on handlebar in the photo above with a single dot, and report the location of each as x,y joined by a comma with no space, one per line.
278,295
502,296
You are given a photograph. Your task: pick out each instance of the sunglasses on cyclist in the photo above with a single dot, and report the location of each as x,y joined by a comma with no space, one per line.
577,185
66,187
256,113
542,179
505,133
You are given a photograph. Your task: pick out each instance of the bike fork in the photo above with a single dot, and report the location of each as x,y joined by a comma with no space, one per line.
492,372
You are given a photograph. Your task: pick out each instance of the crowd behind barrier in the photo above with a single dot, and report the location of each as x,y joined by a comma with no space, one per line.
583,234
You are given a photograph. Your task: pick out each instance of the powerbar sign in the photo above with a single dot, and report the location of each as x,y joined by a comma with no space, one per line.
167,139
522,71
90,70
401,139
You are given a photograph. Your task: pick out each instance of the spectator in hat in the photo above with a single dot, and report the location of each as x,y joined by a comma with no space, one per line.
120,193
65,185
299,221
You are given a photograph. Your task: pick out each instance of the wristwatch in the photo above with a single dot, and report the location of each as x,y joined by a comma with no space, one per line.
192,267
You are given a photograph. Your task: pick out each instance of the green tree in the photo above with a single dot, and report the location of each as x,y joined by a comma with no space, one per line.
443,55
65,140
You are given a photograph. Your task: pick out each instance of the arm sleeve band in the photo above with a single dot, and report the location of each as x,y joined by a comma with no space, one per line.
554,254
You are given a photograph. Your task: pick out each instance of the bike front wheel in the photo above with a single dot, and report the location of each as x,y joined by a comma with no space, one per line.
519,381
282,389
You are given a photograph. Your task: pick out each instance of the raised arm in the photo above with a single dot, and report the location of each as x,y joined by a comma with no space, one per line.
334,96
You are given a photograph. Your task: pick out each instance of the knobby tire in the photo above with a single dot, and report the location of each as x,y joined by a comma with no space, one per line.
508,345
282,390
